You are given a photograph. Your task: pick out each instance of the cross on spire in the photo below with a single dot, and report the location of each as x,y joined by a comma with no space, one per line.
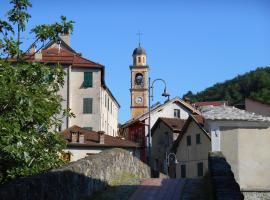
139,34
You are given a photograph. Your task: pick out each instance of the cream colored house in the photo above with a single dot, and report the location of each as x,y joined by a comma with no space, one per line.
82,143
84,91
191,148
243,138
164,132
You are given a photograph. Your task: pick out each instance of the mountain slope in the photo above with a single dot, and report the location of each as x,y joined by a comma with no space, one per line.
254,84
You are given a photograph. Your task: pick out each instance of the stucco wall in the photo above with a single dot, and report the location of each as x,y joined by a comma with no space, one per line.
248,152
162,141
193,154
109,116
77,180
79,153
78,92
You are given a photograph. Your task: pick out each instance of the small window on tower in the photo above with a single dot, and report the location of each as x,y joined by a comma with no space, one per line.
139,60
139,79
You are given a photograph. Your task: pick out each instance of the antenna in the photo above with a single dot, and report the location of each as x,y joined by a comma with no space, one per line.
139,34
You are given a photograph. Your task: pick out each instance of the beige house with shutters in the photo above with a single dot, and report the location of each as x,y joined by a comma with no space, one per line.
84,91
191,149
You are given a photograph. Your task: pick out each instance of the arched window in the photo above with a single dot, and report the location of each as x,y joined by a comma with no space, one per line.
139,59
139,79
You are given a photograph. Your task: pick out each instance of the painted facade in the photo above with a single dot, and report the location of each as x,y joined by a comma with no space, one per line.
191,149
102,107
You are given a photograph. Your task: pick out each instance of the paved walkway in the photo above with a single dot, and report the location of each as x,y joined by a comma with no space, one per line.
159,189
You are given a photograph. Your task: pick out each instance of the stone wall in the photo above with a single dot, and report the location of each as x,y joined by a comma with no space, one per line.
224,185
76,180
257,195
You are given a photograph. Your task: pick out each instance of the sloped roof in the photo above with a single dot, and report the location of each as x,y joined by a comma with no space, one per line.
230,113
63,56
91,139
160,106
184,129
175,124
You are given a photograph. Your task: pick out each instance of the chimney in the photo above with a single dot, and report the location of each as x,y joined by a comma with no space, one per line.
74,136
101,137
38,56
187,100
81,138
32,49
66,38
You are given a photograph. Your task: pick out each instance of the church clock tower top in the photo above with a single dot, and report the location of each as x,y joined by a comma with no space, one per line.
139,56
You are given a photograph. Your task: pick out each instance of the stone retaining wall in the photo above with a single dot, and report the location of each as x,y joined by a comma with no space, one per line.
76,180
224,185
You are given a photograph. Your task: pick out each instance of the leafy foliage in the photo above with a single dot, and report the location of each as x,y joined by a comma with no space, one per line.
254,84
29,100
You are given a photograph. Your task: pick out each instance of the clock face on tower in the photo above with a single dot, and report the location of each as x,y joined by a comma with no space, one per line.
138,100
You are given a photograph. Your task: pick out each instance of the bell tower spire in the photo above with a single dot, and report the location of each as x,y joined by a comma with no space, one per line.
139,82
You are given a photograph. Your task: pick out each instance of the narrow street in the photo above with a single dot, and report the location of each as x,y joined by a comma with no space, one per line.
159,189
172,189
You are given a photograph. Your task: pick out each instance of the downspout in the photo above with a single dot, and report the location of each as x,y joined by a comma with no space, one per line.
68,93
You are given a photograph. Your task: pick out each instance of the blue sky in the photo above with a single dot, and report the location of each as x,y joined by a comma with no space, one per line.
191,44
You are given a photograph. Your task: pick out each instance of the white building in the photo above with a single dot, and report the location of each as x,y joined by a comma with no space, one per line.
84,91
243,138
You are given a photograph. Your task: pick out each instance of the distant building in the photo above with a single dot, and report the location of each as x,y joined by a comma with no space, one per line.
82,142
258,107
84,91
191,149
137,129
243,138
164,132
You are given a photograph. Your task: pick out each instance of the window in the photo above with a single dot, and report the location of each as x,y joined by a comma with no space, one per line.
88,128
198,138
183,171
188,140
87,105
105,100
88,79
177,113
139,59
200,169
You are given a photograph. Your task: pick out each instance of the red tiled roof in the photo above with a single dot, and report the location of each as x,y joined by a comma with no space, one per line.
62,56
91,139
209,103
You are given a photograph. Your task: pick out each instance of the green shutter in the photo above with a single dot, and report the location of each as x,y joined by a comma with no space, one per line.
87,105
88,128
88,79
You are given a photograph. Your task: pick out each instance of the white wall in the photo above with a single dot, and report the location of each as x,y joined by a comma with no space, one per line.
78,92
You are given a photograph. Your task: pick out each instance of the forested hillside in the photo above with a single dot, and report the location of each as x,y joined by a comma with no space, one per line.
254,84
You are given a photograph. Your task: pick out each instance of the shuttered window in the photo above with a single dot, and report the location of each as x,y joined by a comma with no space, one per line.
188,140
200,169
88,128
88,79
87,105
198,139
183,171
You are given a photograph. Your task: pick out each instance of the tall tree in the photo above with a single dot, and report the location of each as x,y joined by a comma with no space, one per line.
29,102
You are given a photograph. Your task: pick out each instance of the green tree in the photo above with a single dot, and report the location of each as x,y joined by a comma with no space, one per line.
29,103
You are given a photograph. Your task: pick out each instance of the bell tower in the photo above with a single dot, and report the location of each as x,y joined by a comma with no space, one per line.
139,83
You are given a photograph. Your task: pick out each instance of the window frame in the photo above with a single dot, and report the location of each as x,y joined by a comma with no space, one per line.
200,169
87,79
183,171
85,111
198,138
176,113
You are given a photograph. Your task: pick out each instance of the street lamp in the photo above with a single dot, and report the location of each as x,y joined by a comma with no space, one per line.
151,96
